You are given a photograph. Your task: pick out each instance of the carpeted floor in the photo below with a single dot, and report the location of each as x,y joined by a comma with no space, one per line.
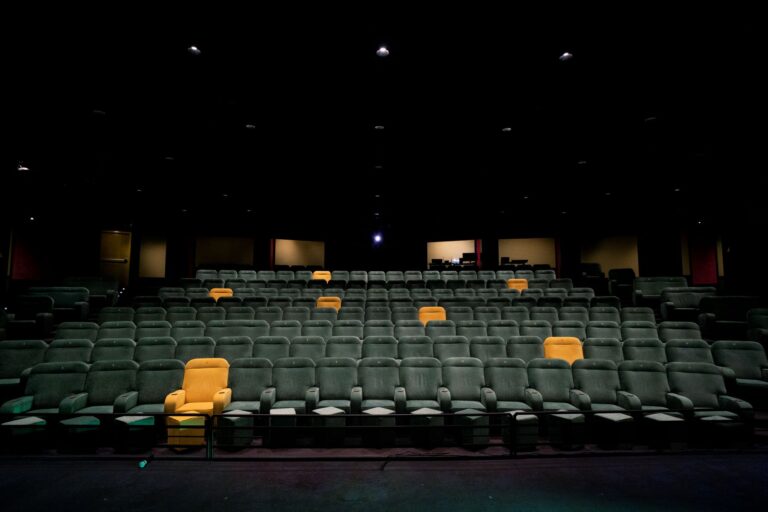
687,481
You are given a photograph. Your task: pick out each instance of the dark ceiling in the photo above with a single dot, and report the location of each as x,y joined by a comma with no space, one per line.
275,119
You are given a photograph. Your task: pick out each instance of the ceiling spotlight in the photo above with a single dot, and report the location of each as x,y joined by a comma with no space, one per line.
581,162
699,222
564,213
566,56
382,51
378,127
677,190
377,196
138,190
525,197
650,119
375,214
250,126
378,167
225,195
20,166
506,129
32,219
607,193
183,210
98,112
377,238
169,159
194,50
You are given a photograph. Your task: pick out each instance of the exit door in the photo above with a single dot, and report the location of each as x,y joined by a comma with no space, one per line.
116,255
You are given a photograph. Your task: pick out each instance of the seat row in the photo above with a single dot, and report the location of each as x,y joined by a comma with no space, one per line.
212,386
291,328
503,311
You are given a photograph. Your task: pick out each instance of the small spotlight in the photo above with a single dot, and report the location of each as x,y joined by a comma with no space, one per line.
169,159
378,167
607,193
32,219
382,51
378,127
581,162
139,190
525,197
566,56
194,50
250,126
677,190
377,238
506,129
21,167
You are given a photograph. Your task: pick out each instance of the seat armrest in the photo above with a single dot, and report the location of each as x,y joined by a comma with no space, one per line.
628,401
174,400
740,407
727,373
221,399
267,400
311,399
356,400
400,400
17,405
580,399
82,310
488,399
764,373
73,403
444,399
679,402
126,401
667,308
534,399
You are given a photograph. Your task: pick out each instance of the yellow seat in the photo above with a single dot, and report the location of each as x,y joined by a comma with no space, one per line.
328,302
322,274
217,293
427,313
563,347
204,378
181,434
517,284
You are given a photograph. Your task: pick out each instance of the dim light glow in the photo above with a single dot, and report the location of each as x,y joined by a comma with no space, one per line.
382,51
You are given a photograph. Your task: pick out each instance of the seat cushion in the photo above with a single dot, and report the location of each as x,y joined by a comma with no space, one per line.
725,414
370,404
503,406
54,410
559,406
97,409
412,405
606,407
243,406
341,404
201,407
653,408
299,405
147,409
459,405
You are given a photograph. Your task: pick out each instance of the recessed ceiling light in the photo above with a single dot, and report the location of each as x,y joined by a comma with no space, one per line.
138,190
169,159
32,219
377,196
566,56
525,197
248,211
677,190
506,129
650,119
375,214
21,166
582,162
194,50
607,193
378,127
250,126
377,238
99,112
378,167
699,222
382,51
183,210
225,195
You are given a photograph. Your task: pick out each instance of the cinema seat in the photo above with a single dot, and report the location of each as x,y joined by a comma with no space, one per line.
203,379
566,348
106,381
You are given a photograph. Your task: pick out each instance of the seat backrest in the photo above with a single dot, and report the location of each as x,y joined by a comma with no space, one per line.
421,377
336,376
653,286
328,302
149,314
18,355
117,330
603,348
431,313
194,348
415,346
252,328
540,328
547,314
578,313
570,328
249,377
746,358
645,379
288,328
464,377
516,313
380,346
378,377
344,346
233,347
507,377
113,349
604,314
503,328
148,349
187,328
325,275
116,314
109,379
688,351
637,314
292,377
487,347
603,329
517,284
157,378
77,331
378,328
312,347
271,347
436,328
348,328
50,383
644,349
203,377
180,313
151,329
702,383
69,350
679,331
446,347
598,378
563,347
525,347
552,378
637,329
